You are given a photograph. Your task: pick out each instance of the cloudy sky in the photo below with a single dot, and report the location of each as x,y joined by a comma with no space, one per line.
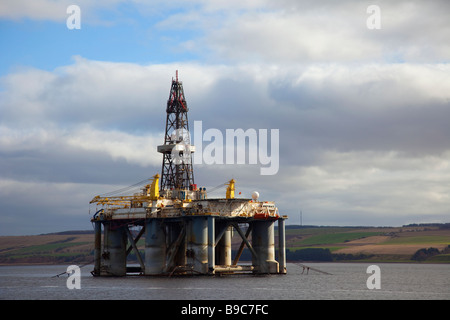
363,113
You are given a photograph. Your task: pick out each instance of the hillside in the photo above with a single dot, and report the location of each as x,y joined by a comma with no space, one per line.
387,244
58,248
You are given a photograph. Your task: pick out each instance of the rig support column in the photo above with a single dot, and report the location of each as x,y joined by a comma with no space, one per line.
155,247
176,245
197,244
263,242
281,246
115,255
211,245
97,247
223,245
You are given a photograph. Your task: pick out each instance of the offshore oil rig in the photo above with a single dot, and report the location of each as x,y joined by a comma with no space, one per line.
185,232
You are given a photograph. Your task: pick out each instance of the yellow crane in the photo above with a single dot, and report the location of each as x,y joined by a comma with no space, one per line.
149,193
230,189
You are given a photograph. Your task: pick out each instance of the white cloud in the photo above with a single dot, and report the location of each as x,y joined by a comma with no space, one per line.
352,187
85,92
399,107
35,207
274,32
140,150
52,10
38,9
284,32
291,37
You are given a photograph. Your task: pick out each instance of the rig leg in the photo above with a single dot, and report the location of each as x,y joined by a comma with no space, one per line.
115,255
223,247
263,242
155,247
97,248
211,245
197,244
282,246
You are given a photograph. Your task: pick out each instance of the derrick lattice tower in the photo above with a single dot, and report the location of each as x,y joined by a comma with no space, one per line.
177,171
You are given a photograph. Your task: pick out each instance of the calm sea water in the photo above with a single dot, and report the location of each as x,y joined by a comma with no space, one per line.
346,281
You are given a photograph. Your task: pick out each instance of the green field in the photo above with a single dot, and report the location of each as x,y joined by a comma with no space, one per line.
332,238
370,244
427,239
45,249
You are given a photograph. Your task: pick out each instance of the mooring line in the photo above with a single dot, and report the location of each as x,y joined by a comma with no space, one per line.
60,274
314,269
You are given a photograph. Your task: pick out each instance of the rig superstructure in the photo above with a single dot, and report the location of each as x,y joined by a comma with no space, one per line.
185,232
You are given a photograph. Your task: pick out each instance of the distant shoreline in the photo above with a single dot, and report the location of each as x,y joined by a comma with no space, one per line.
417,243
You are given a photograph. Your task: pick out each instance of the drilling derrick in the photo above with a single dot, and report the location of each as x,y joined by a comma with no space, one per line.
177,173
